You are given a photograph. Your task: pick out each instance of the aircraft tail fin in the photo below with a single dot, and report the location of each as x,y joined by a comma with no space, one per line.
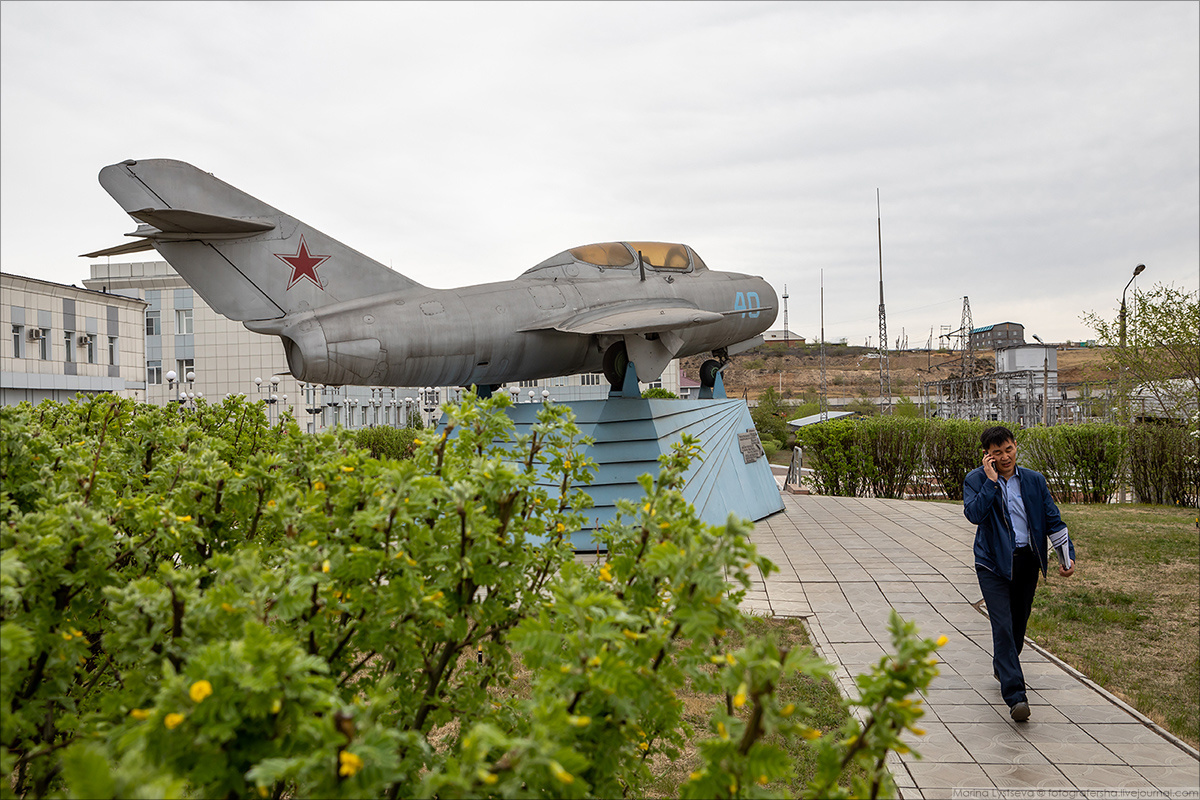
248,260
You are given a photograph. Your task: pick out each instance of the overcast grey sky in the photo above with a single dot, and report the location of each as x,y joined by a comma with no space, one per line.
1028,155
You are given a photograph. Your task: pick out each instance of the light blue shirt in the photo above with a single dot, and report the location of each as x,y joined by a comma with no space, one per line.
1016,508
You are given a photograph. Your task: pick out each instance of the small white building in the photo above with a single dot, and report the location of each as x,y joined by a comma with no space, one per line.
780,336
63,340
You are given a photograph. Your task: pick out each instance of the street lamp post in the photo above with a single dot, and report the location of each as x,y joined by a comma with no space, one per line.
1122,382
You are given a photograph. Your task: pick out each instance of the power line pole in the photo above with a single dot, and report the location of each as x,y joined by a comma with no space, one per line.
885,374
824,385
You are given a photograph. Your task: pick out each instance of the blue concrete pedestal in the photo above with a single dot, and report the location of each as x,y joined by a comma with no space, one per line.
732,476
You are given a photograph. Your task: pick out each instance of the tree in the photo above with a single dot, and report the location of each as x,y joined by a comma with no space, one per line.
770,416
1162,356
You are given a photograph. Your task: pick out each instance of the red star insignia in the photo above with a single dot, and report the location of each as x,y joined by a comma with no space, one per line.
303,265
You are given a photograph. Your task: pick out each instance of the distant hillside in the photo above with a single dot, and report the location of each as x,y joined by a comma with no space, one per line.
854,371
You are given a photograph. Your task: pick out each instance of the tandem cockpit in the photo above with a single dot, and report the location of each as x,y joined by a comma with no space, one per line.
658,256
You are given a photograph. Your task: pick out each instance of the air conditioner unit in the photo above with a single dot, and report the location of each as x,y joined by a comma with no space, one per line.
83,340
35,334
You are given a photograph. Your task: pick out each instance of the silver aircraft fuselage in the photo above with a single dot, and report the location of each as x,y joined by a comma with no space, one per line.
347,319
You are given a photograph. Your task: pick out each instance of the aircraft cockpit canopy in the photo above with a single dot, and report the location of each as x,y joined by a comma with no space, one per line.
662,256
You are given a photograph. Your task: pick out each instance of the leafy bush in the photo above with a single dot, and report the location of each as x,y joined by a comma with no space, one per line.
895,452
1096,452
182,614
1162,465
952,449
659,393
770,416
834,451
386,442
1080,462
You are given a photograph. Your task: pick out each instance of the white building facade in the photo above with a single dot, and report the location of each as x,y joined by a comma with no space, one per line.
61,340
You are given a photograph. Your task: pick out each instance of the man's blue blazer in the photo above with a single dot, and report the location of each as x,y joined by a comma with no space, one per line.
983,505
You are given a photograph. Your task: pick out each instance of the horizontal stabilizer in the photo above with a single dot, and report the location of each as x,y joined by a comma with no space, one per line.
178,220
638,319
121,249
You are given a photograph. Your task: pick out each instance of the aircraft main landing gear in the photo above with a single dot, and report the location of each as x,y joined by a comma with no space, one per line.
616,362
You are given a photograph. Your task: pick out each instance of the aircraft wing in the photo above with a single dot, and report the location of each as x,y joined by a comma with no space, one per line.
624,319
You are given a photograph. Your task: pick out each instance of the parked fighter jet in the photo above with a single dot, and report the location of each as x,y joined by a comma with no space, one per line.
347,319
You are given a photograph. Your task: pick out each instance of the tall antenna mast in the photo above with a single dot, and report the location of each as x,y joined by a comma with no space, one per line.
785,319
824,384
885,374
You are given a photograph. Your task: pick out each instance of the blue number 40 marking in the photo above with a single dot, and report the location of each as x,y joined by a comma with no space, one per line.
747,303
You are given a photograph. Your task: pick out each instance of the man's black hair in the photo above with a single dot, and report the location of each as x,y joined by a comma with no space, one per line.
996,435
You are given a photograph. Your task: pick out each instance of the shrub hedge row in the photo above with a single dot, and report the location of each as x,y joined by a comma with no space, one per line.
897,457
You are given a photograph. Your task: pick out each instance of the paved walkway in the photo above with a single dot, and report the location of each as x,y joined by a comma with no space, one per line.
845,561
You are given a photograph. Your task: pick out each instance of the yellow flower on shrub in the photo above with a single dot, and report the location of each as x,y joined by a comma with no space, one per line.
139,714
172,721
942,640
739,699
325,565
200,690
349,762
560,773
605,575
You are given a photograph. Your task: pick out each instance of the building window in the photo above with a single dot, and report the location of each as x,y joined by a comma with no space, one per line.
44,344
590,379
18,340
528,384
112,350
69,342
183,320
183,366
153,323
90,342
154,373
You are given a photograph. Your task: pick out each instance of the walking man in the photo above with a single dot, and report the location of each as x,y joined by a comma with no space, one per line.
1015,516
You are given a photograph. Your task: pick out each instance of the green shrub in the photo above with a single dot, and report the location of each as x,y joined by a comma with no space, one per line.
659,393
1080,462
181,615
386,442
1162,464
835,453
895,452
952,449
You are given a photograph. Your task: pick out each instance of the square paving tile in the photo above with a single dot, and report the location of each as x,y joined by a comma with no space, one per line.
1100,776
1123,734
1039,732
1027,776
937,745
1079,753
1181,777
997,748
941,778
1110,714
1163,754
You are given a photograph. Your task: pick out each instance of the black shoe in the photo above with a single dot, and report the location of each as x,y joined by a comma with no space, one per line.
1019,711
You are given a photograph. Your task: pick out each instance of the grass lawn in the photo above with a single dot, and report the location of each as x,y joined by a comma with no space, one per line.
1129,618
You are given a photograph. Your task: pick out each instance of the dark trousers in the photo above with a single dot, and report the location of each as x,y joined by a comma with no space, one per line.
1008,606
